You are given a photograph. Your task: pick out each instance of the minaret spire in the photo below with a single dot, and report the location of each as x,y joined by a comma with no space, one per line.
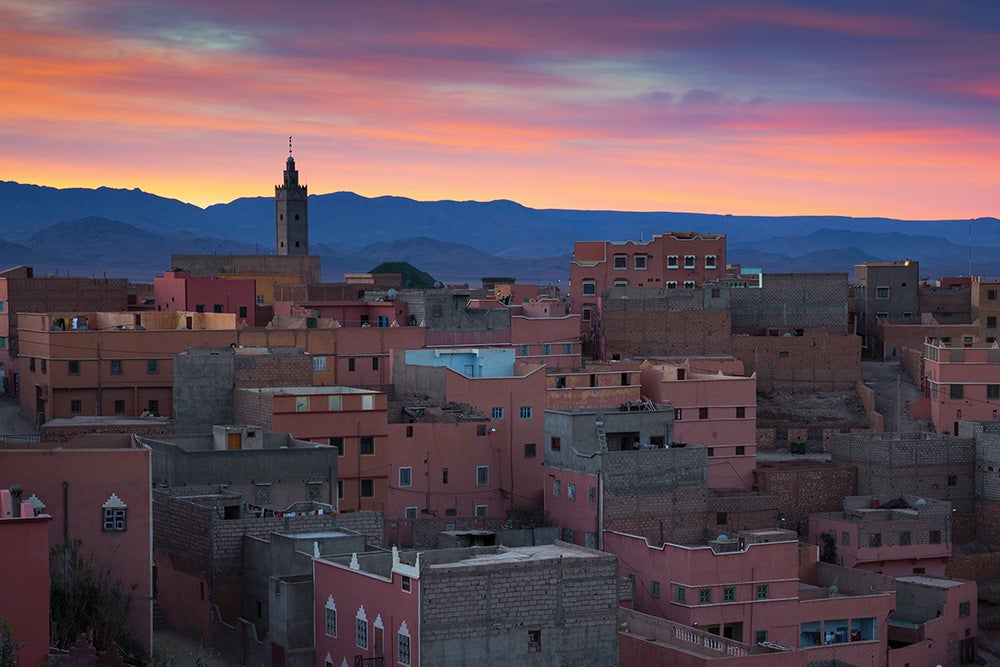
291,211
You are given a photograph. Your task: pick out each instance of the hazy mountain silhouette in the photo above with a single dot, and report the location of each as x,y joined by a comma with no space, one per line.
130,232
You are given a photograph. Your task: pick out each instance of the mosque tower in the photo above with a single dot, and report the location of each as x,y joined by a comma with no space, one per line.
291,211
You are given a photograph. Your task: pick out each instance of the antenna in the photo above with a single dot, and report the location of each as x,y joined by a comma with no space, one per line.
289,146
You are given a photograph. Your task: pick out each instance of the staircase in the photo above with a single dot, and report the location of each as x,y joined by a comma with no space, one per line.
159,620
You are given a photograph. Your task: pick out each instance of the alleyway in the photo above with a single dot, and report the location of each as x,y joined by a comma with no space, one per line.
889,381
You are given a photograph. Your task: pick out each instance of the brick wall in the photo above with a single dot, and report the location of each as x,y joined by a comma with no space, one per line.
664,326
876,421
426,531
797,300
980,568
251,407
805,487
182,529
988,523
278,368
813,362
740,511
474,614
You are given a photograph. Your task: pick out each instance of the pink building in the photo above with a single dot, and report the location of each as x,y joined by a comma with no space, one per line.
180,291
24,575
544,332
593,386
346,313
935,622
963,383
546,605
898,537
712,410
677,260
104,482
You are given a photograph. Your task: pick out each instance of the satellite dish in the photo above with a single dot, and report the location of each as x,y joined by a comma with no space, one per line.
833,590
391,294
722,538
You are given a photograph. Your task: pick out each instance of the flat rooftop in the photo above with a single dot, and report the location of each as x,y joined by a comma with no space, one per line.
521,554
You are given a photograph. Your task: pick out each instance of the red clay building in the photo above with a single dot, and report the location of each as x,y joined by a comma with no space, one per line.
963,383
117,364
176,291
24,576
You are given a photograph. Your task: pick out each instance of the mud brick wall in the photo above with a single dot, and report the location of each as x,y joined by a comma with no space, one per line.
876,422
912,363
766,438
65,433
980,568
814,362
278,369
802,489
741,511
797,435
426,531
664,326
800,300
251,407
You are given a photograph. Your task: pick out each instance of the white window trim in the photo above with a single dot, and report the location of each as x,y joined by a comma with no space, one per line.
409,477
640,259
331,606
676,261
692,264
614,263
710,261
411,512
360,617
481,510
671,284
404,632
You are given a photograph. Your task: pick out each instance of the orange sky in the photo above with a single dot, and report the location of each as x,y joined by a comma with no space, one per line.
769,108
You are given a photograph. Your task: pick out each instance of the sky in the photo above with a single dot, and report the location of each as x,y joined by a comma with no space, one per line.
751,108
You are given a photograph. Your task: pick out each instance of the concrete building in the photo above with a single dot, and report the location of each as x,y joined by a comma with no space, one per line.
887,291
613,469
275,470
935,622
711,410
22,292
985,308
291,212
963,383
86,363
672,260
353,421
510,393
24,576
542,605
790,301
925,465
180,291
96,488
893,536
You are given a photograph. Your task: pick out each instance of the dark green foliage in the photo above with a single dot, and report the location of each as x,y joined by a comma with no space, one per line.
412,276
9,646
85,599
828,551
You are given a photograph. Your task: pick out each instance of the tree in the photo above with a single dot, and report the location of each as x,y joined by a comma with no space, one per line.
85,599
9,645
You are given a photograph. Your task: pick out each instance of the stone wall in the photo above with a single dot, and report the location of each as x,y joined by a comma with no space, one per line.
805,487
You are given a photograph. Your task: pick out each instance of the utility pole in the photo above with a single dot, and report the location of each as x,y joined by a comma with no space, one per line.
899,405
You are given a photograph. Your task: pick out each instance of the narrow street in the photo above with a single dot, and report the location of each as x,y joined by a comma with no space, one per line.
894,391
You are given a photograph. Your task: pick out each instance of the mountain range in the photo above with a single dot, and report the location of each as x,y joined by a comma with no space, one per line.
130,233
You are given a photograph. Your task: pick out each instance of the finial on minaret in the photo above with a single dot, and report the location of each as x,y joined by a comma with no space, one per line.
289,146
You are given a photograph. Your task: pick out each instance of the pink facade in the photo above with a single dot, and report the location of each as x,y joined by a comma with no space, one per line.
446,469
368,614
738,594
348,313
571,502
545,334
938,618
712,410
24,577
180,291
104,481
963,383
669,260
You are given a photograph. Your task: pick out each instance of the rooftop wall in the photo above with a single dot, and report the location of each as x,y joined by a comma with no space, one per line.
813,300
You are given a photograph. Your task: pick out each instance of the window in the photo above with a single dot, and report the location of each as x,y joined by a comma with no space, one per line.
993,391
482,475
729,594
934,537
760,636
592,495
555,444
319,364
302,404
546,349
406,584
534,641
957,391
405,477
709,261
331,618
217,308
621,262
361,630
905,538
952,480
556,488
403,646
671,262
350,365
763,591
409,430
711,451
374,363
114,514
688,284
444,475
262,493
783,354
671,284
991,295
153,407
482,510
338,442
334,403
567,348
702,413
587,313
525,412
75,406
522,350
716,293
991,322
705,596
741,412
243,312
116,367
31,364
199,308
881,292
260,299
721,518
678,414
679,595
73,367
410,512
1,305
340,489
570,490
529,450
964,609
367,445
119,407
875,540
639,262
43,366
152,366
688,261
496,413
740,450
845,539
589,287
654,588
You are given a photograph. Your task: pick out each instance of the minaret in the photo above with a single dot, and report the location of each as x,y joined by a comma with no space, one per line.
291,217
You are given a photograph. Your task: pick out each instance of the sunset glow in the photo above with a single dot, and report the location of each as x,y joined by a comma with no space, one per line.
767,108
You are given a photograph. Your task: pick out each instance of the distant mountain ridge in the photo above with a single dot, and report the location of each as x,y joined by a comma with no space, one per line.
133,233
